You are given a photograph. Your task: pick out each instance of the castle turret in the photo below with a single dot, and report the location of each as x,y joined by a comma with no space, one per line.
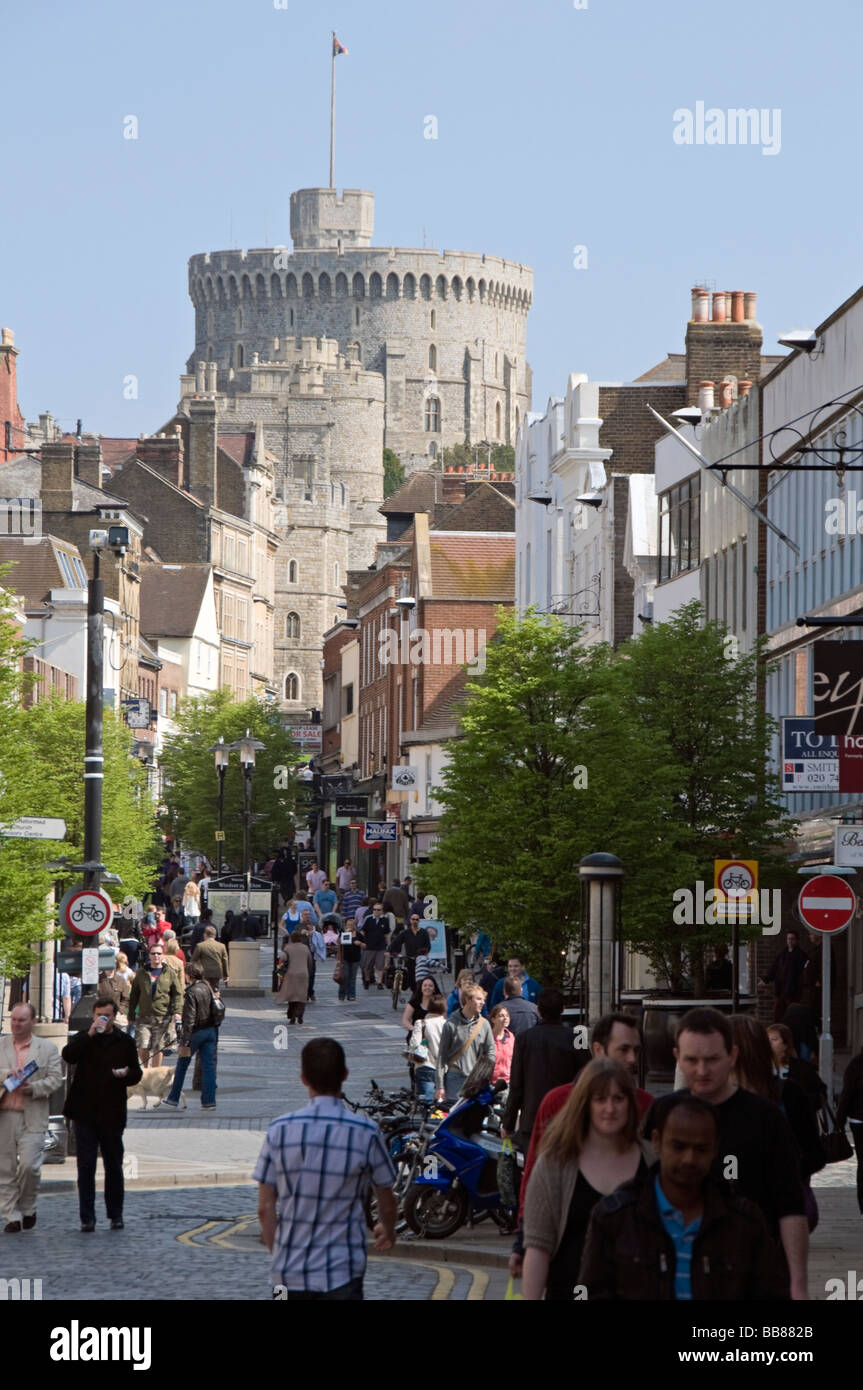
323,218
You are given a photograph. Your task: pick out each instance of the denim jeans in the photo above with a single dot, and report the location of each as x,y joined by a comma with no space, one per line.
424,1083
203,1041
348,986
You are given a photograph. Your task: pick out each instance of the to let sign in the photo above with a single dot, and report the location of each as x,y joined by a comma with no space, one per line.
826,903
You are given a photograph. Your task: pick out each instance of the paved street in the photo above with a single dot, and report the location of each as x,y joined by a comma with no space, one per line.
189,1188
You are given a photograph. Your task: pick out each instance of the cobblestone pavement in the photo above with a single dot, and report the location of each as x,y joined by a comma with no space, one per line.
201,1245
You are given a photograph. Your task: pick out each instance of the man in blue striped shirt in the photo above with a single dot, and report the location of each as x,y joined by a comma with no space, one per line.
320,1162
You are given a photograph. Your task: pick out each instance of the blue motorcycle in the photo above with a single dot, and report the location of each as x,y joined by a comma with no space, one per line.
457,1177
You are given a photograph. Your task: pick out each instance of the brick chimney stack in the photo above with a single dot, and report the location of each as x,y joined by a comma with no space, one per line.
58,472
164,454
12,422
203,444
725,343
89,463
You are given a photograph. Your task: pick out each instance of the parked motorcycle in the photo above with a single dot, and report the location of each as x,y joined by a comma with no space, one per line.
457,1174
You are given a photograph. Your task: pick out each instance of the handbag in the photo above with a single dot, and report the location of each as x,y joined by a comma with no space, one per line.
508,1175
834,1144
338,973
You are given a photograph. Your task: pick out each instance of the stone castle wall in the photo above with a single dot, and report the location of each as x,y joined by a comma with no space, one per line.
446,324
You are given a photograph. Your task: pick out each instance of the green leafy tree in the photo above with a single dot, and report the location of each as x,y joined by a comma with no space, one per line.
41,765
547,770
191,786
500,456
684,685
394,472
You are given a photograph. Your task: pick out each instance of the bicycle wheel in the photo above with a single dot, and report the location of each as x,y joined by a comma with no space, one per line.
397,989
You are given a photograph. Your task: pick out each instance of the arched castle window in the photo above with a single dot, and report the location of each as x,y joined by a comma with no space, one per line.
375,286
497,421
392,286
433,450
425,287
471,290
341,285
356,318
482,291
324,285
260,286
275,286
292,686
290,318
240,355
409,287
336,575
440,287
293,571
456,287
359,286
292,625
432,358
291,286
432,318
432,414
308,286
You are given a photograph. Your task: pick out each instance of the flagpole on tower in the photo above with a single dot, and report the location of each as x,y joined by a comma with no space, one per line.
333,116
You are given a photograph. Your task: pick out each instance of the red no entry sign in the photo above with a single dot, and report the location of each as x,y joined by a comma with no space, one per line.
826,903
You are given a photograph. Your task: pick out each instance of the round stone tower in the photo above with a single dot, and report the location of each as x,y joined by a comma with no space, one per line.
446,329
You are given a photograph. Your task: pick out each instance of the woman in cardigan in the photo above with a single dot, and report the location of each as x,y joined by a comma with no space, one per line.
588,1150
294,990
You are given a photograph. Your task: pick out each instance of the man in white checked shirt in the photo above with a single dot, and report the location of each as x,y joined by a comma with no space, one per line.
320,1162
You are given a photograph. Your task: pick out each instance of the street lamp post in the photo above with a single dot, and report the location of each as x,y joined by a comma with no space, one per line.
93,754
221,751
247,748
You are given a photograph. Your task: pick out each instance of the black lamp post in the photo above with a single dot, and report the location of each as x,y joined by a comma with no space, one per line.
247,748
221,751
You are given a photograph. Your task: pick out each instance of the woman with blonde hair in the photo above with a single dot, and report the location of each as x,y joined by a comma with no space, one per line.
192,902
588,1150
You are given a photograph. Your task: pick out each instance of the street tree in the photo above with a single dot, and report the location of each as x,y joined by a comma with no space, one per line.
548,768
684,683
394,472
191,786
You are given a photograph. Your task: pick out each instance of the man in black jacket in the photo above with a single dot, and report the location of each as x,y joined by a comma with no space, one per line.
106,1063
544,1057
786,975
674,1232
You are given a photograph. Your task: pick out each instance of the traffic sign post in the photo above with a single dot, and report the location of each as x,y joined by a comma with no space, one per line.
86,911
34,828
826,904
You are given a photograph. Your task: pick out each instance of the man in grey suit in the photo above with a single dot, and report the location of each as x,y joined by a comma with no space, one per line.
24,1112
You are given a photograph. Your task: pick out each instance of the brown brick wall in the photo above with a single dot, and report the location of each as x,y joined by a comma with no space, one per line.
716,350
628,427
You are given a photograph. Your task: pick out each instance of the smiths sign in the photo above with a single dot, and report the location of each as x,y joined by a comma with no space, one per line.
837,687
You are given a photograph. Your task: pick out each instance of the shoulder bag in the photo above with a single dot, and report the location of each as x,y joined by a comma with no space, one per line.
834,1144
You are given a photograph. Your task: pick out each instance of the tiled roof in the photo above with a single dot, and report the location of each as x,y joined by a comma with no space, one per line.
484,509
239,447
171,598
477,566
673,368
418,494
35,568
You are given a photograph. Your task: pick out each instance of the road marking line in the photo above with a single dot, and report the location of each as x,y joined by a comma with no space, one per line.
185,1237
478,1287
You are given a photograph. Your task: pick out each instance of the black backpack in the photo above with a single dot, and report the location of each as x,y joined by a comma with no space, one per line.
217,1011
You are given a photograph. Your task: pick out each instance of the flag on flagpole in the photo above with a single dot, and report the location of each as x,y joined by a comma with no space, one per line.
338,47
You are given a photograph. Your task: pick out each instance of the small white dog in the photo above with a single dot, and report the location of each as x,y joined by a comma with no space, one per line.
156,1082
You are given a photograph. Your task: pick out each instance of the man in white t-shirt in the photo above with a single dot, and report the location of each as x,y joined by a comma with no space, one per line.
315,878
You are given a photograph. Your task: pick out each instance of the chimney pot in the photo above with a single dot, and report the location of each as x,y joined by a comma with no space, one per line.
700,304
719,307
737,311
8,337
749,300
744,387
705,396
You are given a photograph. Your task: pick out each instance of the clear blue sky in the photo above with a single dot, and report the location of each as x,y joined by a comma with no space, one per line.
555,129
